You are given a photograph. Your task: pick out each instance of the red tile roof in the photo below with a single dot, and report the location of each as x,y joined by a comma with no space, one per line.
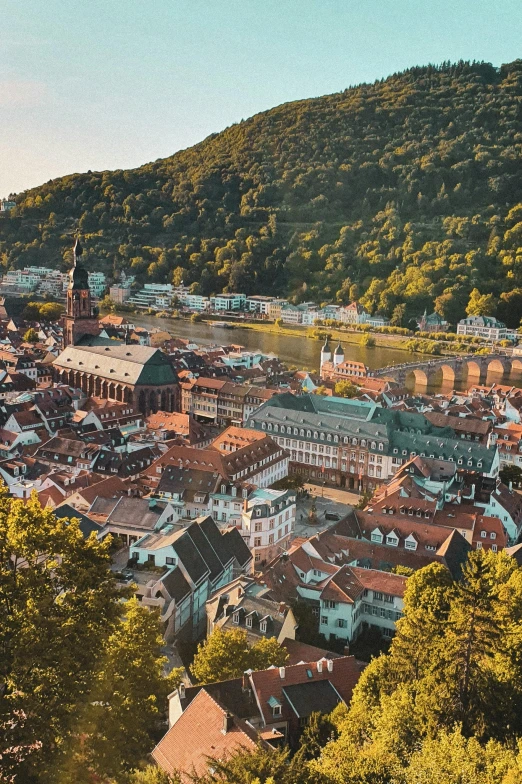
197,735
270,683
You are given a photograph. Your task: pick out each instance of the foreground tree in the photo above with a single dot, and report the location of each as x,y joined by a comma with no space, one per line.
127,703
227,654
57,602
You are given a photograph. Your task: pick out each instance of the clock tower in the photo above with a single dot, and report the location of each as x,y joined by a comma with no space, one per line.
80,316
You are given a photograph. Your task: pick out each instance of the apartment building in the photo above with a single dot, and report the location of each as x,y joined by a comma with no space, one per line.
226,303
267,522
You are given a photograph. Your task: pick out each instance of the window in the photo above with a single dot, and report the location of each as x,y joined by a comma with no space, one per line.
257,541
262,626
342,623
170,561
494,548
493,535
377,595
249,621
324,620
235,618
276,710
258,527
329,605
483,534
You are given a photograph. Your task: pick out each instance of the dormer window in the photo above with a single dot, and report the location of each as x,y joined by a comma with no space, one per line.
376,536
223,489
262,627
392,540
235,617
249,621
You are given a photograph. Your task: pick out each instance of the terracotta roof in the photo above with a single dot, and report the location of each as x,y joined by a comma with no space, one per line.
199,734
302,652
270,683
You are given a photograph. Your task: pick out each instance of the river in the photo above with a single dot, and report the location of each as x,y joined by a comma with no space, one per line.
302,352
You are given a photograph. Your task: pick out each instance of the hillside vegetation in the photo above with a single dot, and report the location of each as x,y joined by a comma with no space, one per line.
408,190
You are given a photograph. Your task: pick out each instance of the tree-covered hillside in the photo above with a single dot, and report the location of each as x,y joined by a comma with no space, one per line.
408,190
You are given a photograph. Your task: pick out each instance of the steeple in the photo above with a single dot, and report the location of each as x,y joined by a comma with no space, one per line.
326,352
338,354
78,276
80,316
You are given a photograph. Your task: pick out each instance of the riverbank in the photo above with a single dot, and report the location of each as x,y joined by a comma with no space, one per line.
336,335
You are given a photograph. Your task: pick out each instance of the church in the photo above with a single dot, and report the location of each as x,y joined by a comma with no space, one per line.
141,376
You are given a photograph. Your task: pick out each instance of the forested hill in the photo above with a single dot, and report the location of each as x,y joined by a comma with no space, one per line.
406,190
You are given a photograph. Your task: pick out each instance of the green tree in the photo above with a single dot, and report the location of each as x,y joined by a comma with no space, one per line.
129,695
346,389
31,336
107,304
480,304
511,473
56,613
263,766
398,314
51,311
367,340
226,654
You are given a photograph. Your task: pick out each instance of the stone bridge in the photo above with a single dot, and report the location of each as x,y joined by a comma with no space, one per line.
472,368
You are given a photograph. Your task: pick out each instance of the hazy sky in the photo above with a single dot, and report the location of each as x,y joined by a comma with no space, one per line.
105,84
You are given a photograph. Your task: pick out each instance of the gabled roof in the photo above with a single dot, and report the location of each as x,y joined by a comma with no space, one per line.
199,734
269,683
134,365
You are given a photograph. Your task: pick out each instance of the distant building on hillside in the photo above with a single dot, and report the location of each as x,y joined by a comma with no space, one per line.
486,327
432,323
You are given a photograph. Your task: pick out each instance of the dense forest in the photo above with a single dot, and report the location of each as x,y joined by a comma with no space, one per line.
408,191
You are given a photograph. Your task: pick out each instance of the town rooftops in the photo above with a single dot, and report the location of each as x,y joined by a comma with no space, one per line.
205,730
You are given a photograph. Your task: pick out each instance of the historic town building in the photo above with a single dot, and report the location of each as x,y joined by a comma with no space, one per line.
80,317
139,375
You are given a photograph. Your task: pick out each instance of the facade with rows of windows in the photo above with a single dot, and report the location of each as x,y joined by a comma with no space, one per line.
357,444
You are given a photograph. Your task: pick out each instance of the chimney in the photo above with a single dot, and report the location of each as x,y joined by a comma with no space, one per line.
181,691
330,665
346,650
246,680
228,722
282,673
320,665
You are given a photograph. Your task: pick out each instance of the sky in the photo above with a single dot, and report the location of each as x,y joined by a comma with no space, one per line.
110,84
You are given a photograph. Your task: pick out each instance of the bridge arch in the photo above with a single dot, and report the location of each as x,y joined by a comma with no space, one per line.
516,364
420,377
448,373
473,368
497,366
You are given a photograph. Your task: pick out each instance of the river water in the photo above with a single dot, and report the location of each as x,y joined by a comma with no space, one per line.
302,352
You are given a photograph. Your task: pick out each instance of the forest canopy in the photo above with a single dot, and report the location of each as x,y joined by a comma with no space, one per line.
405,191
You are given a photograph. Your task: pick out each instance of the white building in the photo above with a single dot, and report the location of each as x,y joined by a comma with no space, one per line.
486,327
259,304
267,522
97,283
153,295
194,302
225,303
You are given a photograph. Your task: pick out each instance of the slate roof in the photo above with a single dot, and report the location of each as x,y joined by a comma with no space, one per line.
314,696
176,585
87,526
134,365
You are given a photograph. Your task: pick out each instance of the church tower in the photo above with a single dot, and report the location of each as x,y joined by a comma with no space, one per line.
80,316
